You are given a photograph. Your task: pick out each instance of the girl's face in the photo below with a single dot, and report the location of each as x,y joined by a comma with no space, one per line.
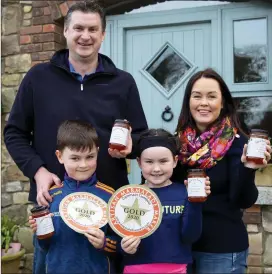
157,165
205,102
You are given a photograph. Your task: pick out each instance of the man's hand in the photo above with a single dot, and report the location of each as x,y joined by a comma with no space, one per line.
44,179
96,237
130,244
123,153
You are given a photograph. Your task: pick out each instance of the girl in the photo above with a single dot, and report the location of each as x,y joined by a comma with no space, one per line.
168,249
211,138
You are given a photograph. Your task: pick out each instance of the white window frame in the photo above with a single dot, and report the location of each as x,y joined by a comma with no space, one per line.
228,18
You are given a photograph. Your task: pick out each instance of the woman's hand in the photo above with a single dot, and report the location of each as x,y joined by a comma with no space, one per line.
267,155
130,244
207,185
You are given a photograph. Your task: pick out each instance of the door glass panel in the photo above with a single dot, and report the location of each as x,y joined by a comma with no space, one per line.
168,68
250,50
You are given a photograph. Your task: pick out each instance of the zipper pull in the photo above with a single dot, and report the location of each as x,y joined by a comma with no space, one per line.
81,87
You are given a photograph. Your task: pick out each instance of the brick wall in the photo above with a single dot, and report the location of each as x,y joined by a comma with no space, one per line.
31,33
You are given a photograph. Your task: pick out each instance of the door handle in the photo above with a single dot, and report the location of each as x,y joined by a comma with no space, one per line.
167,111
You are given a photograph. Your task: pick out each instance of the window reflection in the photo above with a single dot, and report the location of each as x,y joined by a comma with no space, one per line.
255,112
168,68
250,51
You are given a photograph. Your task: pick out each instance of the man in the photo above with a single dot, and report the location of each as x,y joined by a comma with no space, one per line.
80,84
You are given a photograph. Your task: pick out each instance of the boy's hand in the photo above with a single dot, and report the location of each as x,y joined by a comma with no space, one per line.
207,185
32,223
130,244
96,237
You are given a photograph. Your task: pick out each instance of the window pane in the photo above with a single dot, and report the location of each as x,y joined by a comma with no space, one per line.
168,68
250,51
256,112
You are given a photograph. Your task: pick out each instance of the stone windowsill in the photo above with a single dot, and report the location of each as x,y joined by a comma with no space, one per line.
265,195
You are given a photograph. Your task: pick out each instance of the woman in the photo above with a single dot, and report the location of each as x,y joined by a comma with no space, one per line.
212,139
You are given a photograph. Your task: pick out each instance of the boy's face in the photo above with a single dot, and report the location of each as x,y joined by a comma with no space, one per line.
157,165
79,165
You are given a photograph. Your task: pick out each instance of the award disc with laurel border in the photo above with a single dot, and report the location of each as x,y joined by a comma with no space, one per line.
82,211
134,210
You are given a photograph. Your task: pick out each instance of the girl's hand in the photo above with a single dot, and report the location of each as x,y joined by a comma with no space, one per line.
207,185
267,155
32,223
96,237
130,244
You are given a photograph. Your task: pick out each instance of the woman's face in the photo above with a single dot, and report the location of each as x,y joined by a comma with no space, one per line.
205,102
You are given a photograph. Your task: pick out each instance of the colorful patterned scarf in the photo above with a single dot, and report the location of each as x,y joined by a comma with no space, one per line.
207,149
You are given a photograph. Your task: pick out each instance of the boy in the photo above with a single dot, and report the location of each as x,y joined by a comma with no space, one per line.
69,251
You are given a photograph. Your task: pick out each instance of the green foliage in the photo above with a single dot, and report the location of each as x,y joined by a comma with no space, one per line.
8,228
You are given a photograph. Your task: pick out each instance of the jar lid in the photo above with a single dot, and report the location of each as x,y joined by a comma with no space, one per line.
38,209
122,121
260,131
196,170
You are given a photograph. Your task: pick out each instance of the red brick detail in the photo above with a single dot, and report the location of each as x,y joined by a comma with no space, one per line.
52,28
252,218
64,8
31,48
71,3
25,39
52,46
42,56
42,20
31,30
55,11
35,63
37,12
254,208
39,4
46,37
46,11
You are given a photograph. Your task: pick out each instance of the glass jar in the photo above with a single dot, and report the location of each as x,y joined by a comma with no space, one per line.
45,228
257,146
196,185
119,135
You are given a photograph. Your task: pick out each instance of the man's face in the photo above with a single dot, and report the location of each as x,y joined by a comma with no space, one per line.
84,35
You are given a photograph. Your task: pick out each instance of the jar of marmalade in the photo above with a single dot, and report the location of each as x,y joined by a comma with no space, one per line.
196,185
257,146
45,228
119,135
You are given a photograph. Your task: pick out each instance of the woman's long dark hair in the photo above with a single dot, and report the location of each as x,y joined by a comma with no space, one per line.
229,107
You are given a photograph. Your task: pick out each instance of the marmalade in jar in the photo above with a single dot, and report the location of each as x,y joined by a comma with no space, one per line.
257,146
196,185
45,228
119,135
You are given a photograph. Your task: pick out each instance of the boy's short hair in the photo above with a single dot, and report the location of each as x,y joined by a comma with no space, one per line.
76,135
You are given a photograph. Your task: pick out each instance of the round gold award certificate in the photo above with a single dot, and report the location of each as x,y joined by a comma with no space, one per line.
134,210
82,211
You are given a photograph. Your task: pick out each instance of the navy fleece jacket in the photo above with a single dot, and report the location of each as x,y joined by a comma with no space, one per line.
50,94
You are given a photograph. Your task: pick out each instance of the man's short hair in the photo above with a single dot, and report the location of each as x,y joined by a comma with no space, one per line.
86,7
76,135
